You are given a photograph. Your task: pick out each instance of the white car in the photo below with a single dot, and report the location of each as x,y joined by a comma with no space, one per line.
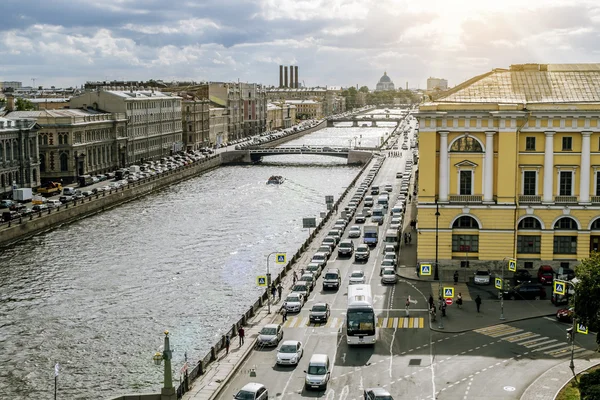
388,188
270,335
293,302
392,257
290,352
357,277
388,275
354,231
482,277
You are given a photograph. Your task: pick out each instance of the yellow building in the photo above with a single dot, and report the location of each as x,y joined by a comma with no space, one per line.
280,116
511,161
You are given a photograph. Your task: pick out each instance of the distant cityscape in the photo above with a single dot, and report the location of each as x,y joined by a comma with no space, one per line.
58,134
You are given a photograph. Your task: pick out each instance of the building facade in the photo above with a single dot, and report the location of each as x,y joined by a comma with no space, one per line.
385,83
437,84
307,109
153,120
511,162
196,119
280,116
329,97
218,126
19,165
75,142
11,85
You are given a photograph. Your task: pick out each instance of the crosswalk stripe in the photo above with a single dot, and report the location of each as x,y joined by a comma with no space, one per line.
380,322
549,347
391,323
506,332
533,341
421,322
405,322
493,329
556,352
530,346
579,349
522,336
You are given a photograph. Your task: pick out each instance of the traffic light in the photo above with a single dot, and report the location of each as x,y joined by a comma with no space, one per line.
570,334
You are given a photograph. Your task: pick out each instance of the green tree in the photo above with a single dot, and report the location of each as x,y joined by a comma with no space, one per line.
364,89
23,105
587,299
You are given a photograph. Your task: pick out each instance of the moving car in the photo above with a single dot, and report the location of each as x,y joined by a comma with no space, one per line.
388,275
318,372
319,312
357,277
290,352
354,231
482,277
565,314
293,302
332,279
521,275
301,287
270,335
377,394
346,248
252,391
360,218
315,269
362,253
526,291
319,258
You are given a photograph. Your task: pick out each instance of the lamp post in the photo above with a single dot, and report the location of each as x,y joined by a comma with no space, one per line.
269,280
437,217
168,391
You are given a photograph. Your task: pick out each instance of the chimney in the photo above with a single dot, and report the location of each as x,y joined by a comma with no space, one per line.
406,85
281,76
285,69
10,103
296,76
292,76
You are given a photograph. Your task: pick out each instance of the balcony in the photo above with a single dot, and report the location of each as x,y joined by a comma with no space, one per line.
595,199
565,199
465,198
530,199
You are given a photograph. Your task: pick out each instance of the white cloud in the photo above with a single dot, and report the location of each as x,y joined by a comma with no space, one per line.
185,27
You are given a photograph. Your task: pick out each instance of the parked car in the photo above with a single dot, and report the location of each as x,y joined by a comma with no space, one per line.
293,302
521,275
6,203
315,269
525,291
482,277
270,335
545,275
565,314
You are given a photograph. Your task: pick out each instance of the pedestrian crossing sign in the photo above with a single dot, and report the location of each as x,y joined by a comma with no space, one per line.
448,292
512,265
582,329
261,280
559,287
498,283
425,269
280,258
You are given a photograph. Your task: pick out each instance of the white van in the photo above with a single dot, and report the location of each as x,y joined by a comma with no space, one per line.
68,191
392,236
382,201
318,372
53,203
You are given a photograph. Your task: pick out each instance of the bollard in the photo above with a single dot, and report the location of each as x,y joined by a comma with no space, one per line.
213,353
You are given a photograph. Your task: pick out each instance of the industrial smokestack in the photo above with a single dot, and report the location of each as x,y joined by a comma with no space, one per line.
281,76
285,69
292,76
296,76
406,85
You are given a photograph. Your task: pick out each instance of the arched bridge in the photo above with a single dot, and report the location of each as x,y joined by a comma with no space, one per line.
369,121
256,155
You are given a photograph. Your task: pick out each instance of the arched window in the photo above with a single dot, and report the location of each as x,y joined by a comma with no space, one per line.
8,151
465,222
566,223
2,181
34,176
596,225
466,144
530,223
64,162
42,163
32,147
1,151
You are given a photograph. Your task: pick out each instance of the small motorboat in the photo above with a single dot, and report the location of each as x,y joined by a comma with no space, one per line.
275,180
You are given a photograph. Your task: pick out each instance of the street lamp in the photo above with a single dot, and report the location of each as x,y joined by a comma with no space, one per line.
168,391
269,280
437,217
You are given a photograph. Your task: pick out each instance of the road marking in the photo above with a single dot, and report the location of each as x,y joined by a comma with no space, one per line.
540,344
519,337
533,341
548,347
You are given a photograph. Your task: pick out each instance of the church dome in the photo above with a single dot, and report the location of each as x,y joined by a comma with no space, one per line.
385,78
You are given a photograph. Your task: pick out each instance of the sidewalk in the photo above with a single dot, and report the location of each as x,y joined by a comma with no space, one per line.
547,385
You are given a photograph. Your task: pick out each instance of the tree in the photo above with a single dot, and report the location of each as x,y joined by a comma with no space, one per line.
364,89
587,298
23,105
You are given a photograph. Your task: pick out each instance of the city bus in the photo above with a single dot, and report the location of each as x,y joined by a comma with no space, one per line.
360,317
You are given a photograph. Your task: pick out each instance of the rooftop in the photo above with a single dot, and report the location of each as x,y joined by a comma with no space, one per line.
301,102
141,94
65,112
530,83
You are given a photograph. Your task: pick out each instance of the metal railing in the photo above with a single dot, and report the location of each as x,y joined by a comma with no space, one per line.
530,199
595,199
565,199
475,198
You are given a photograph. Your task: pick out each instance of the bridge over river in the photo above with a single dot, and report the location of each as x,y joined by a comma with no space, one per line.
256,154
368,121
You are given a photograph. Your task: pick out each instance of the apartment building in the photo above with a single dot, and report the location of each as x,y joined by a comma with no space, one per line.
19,165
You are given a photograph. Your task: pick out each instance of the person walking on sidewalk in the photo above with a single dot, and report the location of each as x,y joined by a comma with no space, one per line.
431,301
227,343
279,290
283,314
455,277
478,302
459,300
294,278
273,291
241,334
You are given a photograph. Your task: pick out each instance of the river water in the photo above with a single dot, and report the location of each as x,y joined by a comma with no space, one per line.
96,295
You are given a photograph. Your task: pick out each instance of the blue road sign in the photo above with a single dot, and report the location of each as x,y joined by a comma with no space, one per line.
425,269
280,258
559,287
261,280
449,292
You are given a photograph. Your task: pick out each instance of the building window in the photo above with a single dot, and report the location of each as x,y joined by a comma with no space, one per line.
597,183
530,143
566,223
565,245
528,264
465,243
565,184
467,145
64,162
465,222
567,143
529,244
466,183
529,183
530,223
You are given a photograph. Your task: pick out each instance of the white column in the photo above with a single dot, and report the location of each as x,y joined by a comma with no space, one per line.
548,167
584,179
443,175
488,184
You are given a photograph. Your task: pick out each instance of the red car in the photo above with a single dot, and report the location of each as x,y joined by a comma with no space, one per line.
545,275
565,314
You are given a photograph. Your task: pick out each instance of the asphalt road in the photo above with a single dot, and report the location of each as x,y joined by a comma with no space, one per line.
409,359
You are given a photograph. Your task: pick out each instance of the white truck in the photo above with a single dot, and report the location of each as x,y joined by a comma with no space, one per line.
22,195
134,169
371,233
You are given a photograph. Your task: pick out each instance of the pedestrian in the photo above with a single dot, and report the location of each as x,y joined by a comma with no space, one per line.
407,306
227,343
409,237
478,302
431,301
444,308
279,290
273,291
455,277
283,314
294,278
301,272
241,334
459,300
409,197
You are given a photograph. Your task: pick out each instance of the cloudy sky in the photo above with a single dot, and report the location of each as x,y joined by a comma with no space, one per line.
334,42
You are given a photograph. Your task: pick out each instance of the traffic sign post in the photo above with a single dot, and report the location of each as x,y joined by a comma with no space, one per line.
582,329
425,269
448,292
449,301
261,281
498,283
560,288
512,264
280,258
